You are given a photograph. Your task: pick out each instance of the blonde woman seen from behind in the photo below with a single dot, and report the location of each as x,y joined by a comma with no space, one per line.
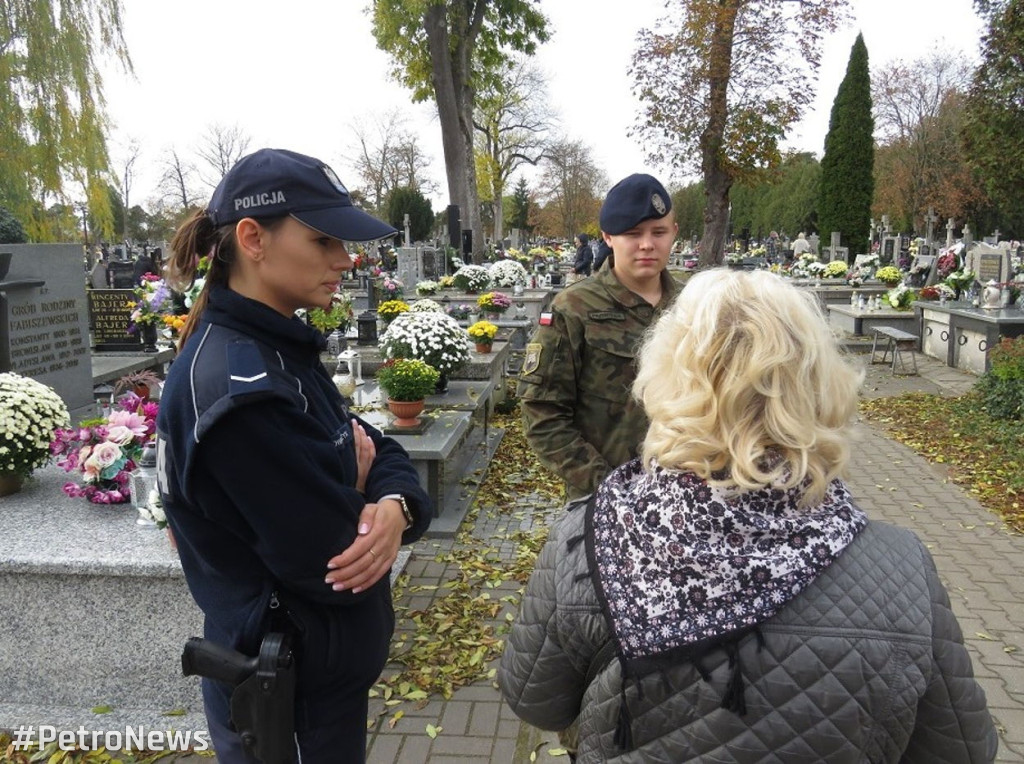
722,597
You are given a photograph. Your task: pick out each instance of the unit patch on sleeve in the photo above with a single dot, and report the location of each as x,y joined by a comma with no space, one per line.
532,360
545,319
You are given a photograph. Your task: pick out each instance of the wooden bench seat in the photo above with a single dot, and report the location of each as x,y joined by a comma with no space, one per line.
897,342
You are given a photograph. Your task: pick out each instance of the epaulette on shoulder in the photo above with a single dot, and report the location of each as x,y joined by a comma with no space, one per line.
247,370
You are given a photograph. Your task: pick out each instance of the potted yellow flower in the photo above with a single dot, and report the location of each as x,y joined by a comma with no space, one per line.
389,310
482,333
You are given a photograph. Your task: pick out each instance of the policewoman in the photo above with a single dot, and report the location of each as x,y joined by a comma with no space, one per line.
578,412
279,499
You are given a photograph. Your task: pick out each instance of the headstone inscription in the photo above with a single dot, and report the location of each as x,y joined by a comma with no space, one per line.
44,329
989,263
110,318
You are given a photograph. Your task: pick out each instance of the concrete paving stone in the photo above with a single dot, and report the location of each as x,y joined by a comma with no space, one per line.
463,745
508,728
413,751
455,717
484,719
385,749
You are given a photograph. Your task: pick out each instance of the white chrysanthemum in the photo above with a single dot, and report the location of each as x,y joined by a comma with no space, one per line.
30,412
508,273
434,338
426,306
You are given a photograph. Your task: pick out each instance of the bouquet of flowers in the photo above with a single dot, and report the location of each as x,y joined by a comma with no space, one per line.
446,282
434,338
153,302
390,288
472,278
816,269
30,412
960,280
483,332
104,451
391,309
426,306
338,316
494,302
929,293
407,379
460,312
807,258
855,280
836,269
871,261
889,274
425,288
900,297
508,273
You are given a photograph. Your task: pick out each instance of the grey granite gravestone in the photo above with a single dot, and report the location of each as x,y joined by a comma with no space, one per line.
989,263
44,330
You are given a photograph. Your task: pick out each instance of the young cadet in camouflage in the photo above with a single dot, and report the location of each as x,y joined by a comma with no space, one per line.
575,385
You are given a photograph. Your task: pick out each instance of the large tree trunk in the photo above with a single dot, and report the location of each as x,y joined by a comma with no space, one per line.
717,178
436,27
454,97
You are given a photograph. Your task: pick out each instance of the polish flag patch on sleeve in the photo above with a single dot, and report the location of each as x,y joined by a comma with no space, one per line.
545,319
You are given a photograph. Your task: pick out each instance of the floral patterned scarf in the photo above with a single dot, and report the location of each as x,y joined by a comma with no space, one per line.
678,565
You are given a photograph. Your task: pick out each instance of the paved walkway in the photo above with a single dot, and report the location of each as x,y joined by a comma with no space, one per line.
981,564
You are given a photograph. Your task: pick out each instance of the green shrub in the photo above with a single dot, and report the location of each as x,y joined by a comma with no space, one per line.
1002,386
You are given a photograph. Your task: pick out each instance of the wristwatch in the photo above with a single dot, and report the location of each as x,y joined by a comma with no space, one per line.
406,513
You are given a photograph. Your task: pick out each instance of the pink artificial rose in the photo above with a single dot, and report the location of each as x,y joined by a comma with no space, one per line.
120,434
103,455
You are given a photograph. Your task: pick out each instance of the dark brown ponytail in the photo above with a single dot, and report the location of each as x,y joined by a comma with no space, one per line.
197,237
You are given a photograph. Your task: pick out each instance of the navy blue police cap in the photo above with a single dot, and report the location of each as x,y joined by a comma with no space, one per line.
633,200
275,182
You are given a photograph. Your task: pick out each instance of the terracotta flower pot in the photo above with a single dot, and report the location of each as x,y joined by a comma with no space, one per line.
406,412
483,347
10,483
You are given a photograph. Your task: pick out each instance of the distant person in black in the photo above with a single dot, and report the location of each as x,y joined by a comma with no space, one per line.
143,265
584,256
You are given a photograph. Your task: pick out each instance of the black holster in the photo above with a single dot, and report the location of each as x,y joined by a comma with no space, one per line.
263,696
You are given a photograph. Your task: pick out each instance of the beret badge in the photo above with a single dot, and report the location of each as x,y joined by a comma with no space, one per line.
658,203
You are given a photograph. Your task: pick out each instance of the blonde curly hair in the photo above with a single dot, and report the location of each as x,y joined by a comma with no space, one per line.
745,386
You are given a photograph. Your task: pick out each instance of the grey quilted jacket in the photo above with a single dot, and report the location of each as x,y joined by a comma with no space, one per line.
867,664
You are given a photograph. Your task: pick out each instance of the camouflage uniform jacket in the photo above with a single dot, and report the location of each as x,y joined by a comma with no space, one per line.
575,386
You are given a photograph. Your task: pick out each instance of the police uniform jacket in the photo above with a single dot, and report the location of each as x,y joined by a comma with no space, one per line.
257,473
575,386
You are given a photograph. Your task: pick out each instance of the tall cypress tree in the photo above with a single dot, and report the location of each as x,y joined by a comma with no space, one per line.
847,179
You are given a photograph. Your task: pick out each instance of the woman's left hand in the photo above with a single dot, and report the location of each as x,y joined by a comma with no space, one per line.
375,549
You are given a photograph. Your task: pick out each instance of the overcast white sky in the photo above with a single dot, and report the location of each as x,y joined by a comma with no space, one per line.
295,75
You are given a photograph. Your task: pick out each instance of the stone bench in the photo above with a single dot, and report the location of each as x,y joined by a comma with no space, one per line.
897,342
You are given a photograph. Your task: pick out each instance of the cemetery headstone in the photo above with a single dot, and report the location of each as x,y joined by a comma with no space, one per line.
44,328
814,240
989,263
949,233
408,273
890,248
121,274
110,317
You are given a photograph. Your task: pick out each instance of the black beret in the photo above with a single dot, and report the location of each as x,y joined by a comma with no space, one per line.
633,200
